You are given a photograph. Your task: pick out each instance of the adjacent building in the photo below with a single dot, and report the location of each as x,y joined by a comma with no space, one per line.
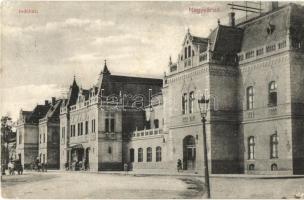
38,135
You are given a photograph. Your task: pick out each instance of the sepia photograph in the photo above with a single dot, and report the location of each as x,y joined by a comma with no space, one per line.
152,99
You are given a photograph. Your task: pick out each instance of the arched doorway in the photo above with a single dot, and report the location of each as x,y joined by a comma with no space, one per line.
189,153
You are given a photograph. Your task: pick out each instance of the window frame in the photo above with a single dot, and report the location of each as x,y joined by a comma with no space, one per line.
272,94
158,151
140,155
251,148
249,98
149,154
274,143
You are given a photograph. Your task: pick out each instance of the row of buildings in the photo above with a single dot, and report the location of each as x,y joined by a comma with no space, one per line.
253,74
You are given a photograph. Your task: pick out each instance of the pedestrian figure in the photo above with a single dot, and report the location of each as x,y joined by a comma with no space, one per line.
11,168
179,165
126,168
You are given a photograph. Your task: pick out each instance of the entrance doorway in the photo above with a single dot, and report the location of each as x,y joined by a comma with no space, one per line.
131,155
189,153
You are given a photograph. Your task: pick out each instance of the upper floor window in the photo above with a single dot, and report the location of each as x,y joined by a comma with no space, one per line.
186,53
109,123
189,51
184,103
191,102
78,129
251,148
249,96
140,155
158,154
149,154
86,127
272,94
93,126
156,123
44,138
39,139
81,128
274,146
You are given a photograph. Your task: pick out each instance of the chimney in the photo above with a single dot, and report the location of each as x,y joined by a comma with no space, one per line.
273,5
53,100
46,102
231,19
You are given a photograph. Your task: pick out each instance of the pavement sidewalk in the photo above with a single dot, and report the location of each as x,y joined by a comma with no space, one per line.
184,173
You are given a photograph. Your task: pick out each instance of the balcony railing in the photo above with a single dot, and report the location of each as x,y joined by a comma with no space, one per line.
147,132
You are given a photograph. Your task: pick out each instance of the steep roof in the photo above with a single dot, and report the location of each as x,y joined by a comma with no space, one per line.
272,26
73,94
226,39
54,110
38,113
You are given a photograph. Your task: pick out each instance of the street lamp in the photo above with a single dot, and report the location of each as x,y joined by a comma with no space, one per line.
203,106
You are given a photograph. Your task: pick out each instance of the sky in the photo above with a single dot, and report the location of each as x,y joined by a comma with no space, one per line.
42,51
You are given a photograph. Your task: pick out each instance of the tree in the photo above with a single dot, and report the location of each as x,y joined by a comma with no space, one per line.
6,134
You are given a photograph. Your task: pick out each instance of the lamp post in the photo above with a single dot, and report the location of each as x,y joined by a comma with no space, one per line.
203,106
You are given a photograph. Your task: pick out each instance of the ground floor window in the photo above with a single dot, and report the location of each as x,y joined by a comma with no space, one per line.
274,167
158,154
251,167
140,155
149,154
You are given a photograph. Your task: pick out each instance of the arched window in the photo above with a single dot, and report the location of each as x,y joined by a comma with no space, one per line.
251,167
274,167
274,146
251,148
184,103
149,154
191,102
272,94
140,155
249,96
158,154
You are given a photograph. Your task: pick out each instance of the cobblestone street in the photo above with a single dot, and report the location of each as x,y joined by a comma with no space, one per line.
102,185
92,185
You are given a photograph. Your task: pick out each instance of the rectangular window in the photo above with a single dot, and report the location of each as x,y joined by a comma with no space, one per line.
86,127
112,125
107,125
43,137
81,128
39,138
158,154
274,146
251,148
191,102
184,103
156,123
140,155
149,154
249,98
93,126
78,129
